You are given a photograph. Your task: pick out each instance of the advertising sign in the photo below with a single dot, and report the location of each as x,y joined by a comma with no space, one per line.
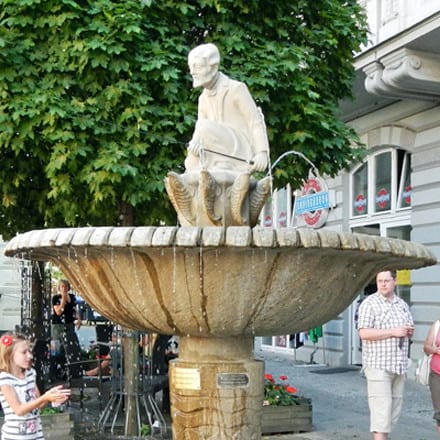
313,204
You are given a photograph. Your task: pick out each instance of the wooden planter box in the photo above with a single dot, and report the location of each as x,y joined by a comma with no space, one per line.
57,426
294,418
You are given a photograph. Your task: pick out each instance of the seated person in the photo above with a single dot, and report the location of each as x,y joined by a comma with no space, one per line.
103,368
107,360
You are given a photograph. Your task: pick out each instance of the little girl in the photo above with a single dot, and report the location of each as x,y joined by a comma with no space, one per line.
19,395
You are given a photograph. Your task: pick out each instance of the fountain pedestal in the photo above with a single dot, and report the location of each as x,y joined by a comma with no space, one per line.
216,389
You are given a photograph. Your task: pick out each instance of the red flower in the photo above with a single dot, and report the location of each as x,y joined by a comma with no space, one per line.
269,377
291,390
6,340
280,394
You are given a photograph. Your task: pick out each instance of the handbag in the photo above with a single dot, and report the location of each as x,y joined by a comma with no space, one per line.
424,366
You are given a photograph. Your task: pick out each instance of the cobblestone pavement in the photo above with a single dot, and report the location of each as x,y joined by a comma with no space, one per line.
340,410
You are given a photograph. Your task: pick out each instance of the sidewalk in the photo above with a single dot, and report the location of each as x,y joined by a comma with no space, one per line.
340,409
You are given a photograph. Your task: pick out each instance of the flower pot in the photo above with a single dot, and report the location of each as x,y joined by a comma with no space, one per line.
293,418
57,426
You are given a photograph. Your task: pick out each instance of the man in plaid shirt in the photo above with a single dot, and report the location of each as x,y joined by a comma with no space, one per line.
385,326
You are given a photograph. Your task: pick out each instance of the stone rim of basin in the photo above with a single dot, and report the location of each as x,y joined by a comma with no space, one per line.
28,243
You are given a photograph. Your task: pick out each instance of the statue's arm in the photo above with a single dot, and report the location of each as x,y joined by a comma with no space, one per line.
194,144
256,127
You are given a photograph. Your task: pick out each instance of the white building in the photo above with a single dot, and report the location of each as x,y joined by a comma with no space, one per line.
396,191
10,292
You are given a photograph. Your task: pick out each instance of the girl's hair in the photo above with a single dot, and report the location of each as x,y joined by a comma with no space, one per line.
7,344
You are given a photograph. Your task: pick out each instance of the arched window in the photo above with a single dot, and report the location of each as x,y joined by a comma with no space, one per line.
381,183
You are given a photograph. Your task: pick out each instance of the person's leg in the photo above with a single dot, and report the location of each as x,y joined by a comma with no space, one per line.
434,388
58,335
72,350
379,402
221,146
398,386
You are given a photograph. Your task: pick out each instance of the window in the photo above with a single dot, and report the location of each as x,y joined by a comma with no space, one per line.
404,178
360,190
382,190
382,183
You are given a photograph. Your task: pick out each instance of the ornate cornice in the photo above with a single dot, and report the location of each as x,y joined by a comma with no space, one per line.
405,74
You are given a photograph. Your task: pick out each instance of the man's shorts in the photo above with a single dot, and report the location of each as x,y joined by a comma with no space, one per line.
385,398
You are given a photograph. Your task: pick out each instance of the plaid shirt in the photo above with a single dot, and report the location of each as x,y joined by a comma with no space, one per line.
381,313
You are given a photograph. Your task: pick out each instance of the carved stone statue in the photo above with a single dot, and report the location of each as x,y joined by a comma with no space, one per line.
230,132
229,143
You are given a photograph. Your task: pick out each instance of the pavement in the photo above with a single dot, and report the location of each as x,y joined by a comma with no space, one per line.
340,409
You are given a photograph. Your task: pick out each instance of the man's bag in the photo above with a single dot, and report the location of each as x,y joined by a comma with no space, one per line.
424,366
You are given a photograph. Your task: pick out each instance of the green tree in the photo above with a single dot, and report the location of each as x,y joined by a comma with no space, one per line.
96,103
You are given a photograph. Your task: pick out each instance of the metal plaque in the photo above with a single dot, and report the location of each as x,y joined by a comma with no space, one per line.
232,380
186,378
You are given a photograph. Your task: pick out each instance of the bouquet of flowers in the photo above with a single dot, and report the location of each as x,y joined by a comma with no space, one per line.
279,393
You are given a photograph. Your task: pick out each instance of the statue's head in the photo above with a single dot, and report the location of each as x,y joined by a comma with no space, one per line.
203,62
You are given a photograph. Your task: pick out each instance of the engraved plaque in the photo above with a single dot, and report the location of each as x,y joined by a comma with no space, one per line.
232,380
186,378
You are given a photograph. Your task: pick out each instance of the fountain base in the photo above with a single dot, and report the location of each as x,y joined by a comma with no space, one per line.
216,390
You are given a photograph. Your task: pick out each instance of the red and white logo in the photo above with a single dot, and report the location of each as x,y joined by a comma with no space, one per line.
282,219
314,219
407,195
268,221
360,203
383,198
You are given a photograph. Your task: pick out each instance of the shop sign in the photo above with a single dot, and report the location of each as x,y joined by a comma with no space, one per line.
403,277
313,203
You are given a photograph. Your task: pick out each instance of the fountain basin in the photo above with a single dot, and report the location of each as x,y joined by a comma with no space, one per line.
217,281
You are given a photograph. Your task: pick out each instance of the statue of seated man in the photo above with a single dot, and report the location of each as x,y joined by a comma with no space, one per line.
230,132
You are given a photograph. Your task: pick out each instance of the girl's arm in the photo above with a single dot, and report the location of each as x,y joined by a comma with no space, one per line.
54,395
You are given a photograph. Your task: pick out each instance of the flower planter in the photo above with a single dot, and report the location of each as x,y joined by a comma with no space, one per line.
293,418
57,426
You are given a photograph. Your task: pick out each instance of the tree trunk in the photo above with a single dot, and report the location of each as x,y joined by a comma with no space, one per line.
130,345
37,328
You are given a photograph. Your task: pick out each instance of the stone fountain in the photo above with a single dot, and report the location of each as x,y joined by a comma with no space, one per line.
219,280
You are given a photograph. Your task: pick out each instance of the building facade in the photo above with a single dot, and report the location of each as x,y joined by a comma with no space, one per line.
395,192
10,292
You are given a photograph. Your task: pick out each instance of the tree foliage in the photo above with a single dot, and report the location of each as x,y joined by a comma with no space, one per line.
96,103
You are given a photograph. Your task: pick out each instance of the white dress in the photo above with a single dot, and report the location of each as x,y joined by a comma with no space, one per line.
27,427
